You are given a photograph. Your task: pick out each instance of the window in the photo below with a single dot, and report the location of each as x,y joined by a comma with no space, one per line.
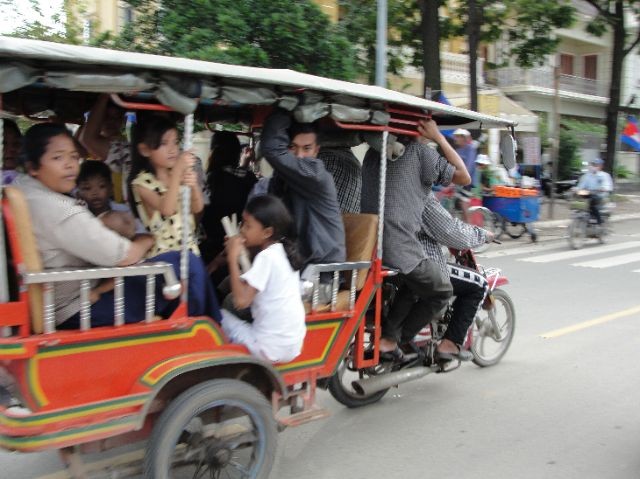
566,64
591,66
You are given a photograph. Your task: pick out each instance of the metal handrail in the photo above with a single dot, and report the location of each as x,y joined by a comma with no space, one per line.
336,268
171,289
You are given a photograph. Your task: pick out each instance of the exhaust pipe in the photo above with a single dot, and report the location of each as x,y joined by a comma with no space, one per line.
371,385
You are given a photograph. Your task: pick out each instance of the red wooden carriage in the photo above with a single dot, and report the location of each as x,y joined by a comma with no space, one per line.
199,401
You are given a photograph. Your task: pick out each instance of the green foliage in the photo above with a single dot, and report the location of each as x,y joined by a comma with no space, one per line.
266,33
584,126
525,23
62,27
621,171
569,159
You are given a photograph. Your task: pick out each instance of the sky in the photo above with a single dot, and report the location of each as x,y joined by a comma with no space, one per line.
13,13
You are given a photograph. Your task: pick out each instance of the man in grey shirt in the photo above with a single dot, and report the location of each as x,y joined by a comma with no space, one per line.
408,184
306,186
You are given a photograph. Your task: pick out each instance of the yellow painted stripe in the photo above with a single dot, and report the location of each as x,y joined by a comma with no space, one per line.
34,383
593,322
132,342
7,442
4,420
307,362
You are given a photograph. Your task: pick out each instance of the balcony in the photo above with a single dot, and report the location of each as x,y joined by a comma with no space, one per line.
513,77
454,68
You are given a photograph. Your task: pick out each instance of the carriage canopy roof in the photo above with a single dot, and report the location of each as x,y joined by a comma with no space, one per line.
184,84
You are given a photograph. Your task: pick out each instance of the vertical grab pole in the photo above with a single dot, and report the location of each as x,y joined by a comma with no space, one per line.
185,195
382,189
4,282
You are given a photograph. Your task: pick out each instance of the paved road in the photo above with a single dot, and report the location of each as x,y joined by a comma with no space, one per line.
562,404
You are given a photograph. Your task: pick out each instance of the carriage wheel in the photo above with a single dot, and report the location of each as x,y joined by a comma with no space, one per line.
218,429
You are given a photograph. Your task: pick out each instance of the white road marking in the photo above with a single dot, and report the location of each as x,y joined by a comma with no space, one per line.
610,261
571,254
516,251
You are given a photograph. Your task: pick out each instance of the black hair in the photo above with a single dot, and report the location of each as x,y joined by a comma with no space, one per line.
302,128
149,130
11,125
36,140
227,151
94,169
271,212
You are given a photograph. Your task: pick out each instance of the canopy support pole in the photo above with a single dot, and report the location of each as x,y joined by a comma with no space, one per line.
382,190
4,282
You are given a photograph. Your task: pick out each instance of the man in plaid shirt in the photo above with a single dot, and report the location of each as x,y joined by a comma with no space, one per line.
347,176
469,287
408,185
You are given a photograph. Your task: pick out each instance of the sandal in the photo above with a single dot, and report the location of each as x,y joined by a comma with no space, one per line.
396,356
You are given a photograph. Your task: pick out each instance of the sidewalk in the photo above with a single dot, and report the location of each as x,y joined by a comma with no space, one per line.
627,207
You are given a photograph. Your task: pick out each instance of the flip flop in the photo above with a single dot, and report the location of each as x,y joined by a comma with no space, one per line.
396,356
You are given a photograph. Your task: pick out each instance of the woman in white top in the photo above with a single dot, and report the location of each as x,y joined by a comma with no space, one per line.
271,287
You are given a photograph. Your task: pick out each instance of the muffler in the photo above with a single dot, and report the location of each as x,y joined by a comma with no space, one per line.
371,385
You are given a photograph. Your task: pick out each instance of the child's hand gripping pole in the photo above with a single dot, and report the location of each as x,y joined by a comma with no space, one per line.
231,229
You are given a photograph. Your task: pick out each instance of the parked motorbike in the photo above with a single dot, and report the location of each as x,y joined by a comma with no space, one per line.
488,339
583,225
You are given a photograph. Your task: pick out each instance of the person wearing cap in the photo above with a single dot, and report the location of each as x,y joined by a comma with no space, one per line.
599,184
486,177
467,149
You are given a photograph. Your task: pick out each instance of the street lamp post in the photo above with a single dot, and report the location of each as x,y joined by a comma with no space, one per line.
381,44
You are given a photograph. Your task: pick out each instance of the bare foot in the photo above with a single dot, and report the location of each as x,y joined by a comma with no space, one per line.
447,346
387,345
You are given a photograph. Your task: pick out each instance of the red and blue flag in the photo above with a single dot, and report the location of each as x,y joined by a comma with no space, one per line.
631,134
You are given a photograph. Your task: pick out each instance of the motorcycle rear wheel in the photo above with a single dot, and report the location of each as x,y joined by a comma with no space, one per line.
340,384
494,327
577,232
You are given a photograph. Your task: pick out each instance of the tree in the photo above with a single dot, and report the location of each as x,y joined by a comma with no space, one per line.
265,33
525,23
612,16
62,27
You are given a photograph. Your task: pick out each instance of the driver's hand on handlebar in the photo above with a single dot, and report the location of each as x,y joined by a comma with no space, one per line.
489,236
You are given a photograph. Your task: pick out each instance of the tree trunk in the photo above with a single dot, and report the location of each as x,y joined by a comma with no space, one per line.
473,39
614,88
430,30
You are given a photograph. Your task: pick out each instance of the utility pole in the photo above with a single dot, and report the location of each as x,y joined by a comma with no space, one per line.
381,44
555,146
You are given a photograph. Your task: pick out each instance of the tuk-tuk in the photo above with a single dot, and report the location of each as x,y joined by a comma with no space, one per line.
200,403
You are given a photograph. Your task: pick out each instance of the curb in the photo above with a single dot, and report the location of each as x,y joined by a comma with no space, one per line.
559,223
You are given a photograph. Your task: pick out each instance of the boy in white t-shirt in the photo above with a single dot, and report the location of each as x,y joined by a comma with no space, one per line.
271,287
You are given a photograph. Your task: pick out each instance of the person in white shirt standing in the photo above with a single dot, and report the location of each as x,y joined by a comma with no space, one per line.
599,184
271,286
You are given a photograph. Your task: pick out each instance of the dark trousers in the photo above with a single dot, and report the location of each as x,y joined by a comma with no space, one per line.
423,295
202,299
469,288
594,207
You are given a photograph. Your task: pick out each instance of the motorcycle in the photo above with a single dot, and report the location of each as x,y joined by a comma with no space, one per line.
488,339
583,225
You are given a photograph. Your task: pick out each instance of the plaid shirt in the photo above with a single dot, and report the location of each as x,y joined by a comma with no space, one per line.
408,186
347,176
439,229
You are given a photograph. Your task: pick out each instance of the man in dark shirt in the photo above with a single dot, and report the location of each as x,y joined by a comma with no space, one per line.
307,187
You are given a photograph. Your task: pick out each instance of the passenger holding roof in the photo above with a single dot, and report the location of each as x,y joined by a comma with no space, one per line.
408,184
307,188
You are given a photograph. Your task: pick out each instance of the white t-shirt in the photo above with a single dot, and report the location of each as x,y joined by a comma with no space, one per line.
277,309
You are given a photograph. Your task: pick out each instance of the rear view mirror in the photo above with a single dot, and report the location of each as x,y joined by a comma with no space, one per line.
508,151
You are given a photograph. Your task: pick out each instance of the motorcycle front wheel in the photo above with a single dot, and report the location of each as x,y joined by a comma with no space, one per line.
577,232
493,330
